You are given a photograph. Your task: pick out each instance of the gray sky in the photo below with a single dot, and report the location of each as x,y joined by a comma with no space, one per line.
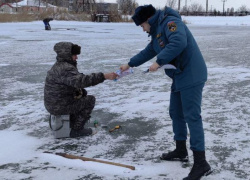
218,4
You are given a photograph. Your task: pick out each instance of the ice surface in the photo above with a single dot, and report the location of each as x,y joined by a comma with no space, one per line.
139,103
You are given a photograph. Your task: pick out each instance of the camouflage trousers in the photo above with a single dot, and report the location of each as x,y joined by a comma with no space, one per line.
85,105
79,111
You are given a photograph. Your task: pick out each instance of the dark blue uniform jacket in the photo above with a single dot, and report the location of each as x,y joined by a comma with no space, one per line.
173,43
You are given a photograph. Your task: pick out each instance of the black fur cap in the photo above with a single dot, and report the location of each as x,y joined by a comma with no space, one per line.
75,50
142,13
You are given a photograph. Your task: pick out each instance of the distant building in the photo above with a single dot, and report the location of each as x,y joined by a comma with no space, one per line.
89,6
106,8
105,12
8,1
75,5
30,6
84,5
7,8
231,13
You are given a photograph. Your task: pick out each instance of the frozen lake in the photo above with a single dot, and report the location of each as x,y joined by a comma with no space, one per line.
139,103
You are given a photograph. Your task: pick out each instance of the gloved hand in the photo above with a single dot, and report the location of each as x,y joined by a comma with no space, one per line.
80,93
77,94
84,92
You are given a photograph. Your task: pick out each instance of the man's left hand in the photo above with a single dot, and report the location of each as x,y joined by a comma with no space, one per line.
154,67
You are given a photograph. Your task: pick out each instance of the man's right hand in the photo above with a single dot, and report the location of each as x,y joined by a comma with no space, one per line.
111,76
124,67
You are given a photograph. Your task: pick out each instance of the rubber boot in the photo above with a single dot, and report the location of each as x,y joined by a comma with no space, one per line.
179,154
200,168
78,129
82,132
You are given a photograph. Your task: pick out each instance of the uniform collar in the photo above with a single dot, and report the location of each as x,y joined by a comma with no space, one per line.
162,16
153,22
156,20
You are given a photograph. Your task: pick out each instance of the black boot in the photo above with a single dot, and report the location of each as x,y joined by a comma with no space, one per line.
179,154
78,126
200,168
82,132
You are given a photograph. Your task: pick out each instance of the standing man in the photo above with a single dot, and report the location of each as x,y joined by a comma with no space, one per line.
173,43
64,91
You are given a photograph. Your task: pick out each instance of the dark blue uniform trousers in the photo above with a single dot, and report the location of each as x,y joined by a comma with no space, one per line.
185,109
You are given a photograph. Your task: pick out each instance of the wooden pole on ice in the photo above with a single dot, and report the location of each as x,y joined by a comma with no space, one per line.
91,159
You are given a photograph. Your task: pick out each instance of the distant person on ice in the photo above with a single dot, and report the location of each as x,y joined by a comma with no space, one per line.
64,91
173,43
46,23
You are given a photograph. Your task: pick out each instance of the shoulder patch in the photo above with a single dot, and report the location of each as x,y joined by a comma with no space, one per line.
172,26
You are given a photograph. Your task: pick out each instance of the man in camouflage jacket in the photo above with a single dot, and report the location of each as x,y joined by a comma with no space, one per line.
64,91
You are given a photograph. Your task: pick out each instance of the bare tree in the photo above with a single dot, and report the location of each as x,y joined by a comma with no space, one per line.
171,3
100,7
185,9
134,6
127,6
243,8
46,1
16,5
122,6
196,7
35,3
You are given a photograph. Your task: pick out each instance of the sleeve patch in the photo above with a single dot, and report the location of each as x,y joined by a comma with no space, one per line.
172,26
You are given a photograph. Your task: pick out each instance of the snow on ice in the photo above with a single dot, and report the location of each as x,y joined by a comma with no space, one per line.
139,103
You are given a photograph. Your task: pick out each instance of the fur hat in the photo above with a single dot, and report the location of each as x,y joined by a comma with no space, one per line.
142,13
75,50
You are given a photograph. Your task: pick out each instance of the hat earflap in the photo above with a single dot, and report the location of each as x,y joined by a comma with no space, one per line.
75,50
